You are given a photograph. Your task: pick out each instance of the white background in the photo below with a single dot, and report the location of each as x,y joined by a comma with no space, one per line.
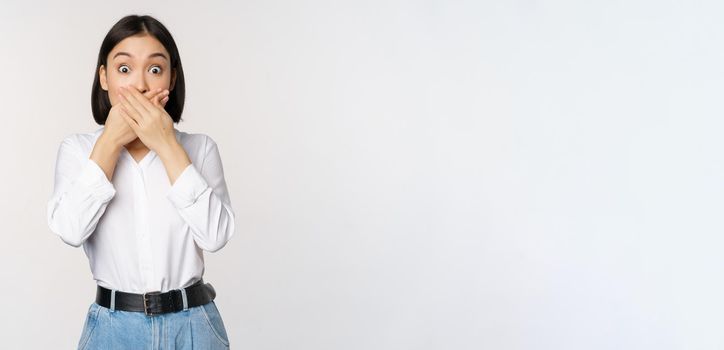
407,175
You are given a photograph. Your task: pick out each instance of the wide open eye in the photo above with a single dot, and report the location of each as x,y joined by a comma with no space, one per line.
157,68
120,69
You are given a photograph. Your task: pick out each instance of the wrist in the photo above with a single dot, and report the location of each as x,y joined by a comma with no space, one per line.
168,147
109,142
174,158
171,151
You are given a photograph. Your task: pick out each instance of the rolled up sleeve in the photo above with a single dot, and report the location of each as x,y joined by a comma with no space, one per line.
80,196
189,186
201,198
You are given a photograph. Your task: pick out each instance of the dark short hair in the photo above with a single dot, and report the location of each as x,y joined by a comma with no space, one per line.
129,26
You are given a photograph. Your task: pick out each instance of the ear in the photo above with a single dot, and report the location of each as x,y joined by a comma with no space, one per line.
173,80
102,76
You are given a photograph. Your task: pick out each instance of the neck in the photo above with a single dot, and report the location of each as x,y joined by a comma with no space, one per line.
135,145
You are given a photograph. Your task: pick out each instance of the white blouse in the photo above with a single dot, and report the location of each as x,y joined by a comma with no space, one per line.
140,233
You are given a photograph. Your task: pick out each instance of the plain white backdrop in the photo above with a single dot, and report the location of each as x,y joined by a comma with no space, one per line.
407,174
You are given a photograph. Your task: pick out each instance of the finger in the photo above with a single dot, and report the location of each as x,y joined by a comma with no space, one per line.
131,123
141,104
151,94
157,100
129,120
130,110
133,109
164,101
133,106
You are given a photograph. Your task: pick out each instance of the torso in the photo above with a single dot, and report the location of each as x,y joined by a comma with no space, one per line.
142,243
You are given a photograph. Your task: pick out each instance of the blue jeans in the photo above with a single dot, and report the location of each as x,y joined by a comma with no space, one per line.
199,327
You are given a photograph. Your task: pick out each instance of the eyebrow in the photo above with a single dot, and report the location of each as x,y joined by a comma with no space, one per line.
155,54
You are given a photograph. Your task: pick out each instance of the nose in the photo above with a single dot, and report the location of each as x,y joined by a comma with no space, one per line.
140,84
142,88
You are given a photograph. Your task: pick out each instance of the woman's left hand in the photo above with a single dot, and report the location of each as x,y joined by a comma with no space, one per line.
152,124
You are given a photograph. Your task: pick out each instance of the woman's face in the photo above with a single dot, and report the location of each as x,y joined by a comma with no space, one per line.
138,61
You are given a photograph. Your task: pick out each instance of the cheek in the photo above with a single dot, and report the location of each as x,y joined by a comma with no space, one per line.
113,86
162,83
159,85
112,96
114,89
113,92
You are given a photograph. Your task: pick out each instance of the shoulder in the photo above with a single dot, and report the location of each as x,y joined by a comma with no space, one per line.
195,141
79,143
200,147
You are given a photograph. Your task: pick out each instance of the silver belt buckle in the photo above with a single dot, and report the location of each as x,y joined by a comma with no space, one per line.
145,299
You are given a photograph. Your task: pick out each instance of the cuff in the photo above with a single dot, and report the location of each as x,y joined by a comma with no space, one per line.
188,188
94,178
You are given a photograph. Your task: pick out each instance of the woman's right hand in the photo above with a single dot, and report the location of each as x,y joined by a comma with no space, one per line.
118,129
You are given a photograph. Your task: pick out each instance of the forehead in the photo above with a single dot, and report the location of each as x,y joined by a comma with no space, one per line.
139,46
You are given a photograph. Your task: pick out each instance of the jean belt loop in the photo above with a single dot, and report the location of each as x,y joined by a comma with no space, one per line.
113,300
186,301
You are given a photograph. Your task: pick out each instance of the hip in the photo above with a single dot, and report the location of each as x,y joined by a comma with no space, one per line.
199,327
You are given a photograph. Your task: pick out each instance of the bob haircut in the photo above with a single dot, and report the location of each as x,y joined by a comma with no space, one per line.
129,26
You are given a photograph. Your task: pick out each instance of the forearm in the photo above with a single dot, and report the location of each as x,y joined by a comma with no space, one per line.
174,158
201,196
82,191
105,153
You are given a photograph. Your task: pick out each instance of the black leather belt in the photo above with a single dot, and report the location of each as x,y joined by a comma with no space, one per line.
154,303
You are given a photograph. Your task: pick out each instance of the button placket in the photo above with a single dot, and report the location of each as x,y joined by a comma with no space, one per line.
143,239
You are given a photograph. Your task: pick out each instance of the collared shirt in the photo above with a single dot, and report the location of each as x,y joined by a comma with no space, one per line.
139,232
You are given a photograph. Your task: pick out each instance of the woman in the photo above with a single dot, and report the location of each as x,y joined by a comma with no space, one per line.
144,200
